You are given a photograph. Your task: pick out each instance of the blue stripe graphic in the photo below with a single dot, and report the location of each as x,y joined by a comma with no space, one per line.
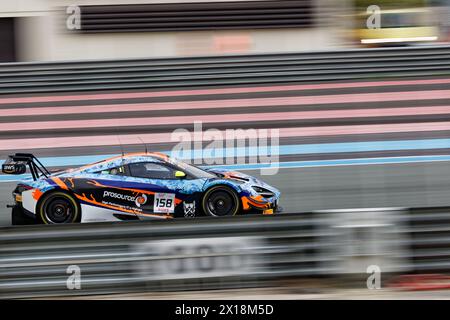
298,149
305,164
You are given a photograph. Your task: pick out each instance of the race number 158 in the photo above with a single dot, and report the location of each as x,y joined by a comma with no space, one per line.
164,203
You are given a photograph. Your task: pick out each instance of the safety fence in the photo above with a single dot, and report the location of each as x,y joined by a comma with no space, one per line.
224,70
218,253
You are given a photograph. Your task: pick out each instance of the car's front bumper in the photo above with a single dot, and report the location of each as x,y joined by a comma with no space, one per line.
261,205
274,208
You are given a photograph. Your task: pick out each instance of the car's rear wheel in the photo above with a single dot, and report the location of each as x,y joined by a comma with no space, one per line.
59,208
220,201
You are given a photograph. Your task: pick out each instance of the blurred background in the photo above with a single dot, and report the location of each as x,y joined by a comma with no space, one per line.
360,93
36,30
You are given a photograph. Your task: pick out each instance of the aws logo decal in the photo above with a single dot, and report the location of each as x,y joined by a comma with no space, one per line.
141,200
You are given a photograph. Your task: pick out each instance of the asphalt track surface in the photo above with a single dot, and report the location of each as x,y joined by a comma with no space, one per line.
308,293
319,123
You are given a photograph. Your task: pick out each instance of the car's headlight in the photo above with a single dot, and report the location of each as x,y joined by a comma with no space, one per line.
263,192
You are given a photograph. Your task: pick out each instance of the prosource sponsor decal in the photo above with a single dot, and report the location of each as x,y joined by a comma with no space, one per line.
115,195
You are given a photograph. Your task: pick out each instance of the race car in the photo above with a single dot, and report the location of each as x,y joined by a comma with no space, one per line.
136,186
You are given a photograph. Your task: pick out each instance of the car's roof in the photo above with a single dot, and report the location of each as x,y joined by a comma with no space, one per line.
128,157
158,155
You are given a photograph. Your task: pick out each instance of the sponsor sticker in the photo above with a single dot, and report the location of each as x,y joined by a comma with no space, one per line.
164,203
120,196
189,209
140,200
117,200
8,167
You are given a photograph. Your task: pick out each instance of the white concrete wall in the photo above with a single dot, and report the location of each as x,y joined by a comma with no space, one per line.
149,44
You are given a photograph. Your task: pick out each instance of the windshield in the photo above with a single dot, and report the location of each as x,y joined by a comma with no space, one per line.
192,170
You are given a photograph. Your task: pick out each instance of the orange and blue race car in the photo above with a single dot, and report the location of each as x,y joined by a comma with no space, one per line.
136,186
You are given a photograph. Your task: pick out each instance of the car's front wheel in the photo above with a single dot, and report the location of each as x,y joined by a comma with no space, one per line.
220,201
58,208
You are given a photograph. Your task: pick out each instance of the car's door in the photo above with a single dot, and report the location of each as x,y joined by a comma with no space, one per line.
104,193
163,186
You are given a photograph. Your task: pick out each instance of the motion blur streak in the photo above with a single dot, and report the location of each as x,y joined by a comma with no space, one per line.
402,125
303,115
364,143
197,92
236,103
414,105
80,141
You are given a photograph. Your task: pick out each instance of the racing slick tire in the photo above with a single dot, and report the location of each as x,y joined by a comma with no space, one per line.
220,201
58,208
19,218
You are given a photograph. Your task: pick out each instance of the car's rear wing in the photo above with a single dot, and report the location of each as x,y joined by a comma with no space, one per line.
17,164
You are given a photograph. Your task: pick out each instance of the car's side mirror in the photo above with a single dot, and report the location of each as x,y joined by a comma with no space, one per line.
180,174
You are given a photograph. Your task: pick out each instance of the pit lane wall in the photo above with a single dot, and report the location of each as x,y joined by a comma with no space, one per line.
220,70
342,246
